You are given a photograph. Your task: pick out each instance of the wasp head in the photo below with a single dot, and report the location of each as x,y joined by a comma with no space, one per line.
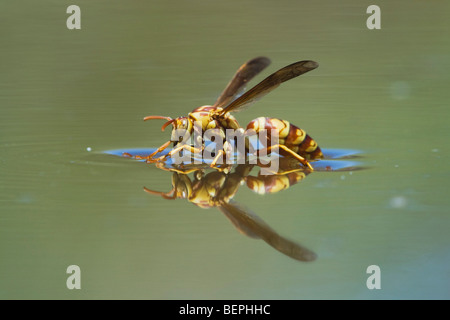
181,127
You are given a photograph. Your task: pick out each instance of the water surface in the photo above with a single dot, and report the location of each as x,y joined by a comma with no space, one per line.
68,96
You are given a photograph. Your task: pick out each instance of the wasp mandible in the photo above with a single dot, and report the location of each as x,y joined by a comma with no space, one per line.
293,140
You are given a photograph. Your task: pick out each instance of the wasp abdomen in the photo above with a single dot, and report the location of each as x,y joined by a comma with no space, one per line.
289,135
273,183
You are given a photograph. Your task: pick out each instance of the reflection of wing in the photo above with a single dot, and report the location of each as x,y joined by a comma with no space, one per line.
245,73
250,224
270,83
243,220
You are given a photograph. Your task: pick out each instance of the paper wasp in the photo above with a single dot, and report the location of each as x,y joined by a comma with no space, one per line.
217,189
292,140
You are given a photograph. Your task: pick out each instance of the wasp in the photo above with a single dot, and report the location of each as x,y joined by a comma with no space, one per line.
293,141
217,189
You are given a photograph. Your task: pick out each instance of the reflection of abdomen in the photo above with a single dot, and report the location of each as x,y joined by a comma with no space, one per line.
274,183
289,135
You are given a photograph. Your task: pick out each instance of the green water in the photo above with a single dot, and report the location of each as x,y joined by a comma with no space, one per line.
64,92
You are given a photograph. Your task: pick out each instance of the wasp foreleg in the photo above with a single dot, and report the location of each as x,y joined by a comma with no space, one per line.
187,147
149,158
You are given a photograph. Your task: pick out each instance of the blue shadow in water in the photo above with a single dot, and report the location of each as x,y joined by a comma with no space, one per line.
334,159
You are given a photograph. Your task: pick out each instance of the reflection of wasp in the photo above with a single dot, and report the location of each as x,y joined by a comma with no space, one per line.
293,141
216,189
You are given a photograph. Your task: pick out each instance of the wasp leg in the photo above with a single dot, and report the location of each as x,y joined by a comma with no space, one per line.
278,173
149,158
178,149
216,158
160,165
294,154
226,151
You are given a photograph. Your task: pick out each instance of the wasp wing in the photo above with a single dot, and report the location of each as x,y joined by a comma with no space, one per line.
250,224
270,83
244,74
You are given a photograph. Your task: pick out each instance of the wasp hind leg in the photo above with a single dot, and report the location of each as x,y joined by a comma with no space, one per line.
302,160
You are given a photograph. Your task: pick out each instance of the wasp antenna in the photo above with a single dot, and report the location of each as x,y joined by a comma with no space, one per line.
158,193
167,123
157,117
166,195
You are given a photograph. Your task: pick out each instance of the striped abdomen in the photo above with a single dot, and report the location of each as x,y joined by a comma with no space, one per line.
274,183
289,135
